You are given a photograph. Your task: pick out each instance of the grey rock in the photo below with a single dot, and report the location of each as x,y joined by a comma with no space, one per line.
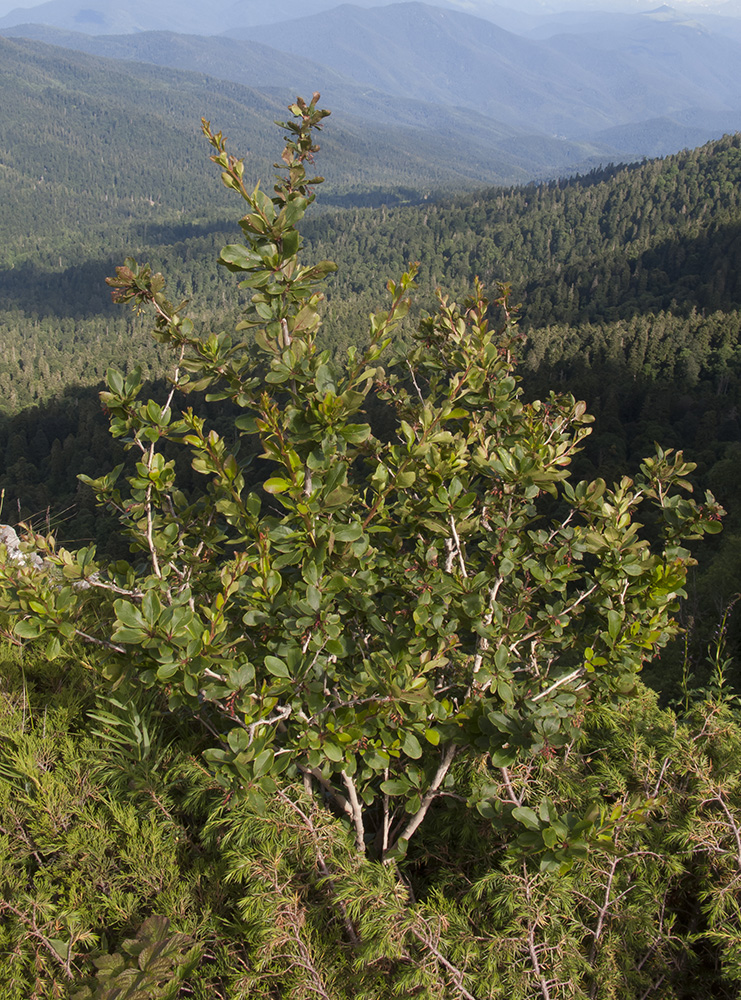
9,538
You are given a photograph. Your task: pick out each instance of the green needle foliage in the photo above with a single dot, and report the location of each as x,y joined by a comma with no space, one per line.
402,634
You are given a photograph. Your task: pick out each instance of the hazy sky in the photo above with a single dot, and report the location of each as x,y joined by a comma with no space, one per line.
732,7
7,5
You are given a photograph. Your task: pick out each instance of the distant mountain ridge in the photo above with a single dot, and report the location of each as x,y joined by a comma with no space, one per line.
94,149
544,94
574,85
110,17
527,17
464,147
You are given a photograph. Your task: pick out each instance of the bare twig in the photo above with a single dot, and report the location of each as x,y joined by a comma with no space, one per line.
655,986
660,778
431,792
336,705
337,797
33,930
322,865
580,598
99,642
357,812
280,715
532,948
482,643
414,381
517,799
25,838
150,522
566,679
455,973
386,818
150,461
450,555
602,911
94,580
457,543
733,825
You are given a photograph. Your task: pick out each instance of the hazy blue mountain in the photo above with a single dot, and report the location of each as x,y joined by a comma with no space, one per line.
110,144
250,63
570,84
581,87
723,25
470,146
522,17
661,136
619,22
657,64
108,17
415,50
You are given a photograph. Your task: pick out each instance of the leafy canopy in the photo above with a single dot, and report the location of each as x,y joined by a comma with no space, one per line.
394,595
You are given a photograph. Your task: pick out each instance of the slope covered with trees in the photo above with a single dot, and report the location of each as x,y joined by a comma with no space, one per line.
628,280
374,721
630,241
77,134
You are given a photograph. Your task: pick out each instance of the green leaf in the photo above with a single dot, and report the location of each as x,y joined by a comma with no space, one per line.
237,739
614,624
129,635
239,258
60,947
276,667
355,433
277,485
27,628
411,746
151,606
53,648
396,786
347,532
550,837
263,762
129,615
293,212
115,381
334,752
526,816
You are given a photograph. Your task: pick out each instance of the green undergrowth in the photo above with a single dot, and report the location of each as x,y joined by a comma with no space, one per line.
101,830
127,874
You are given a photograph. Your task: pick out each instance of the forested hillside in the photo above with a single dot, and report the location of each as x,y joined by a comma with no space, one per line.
78,133
100,158
626,241
630,292
628,279
617,241
368,723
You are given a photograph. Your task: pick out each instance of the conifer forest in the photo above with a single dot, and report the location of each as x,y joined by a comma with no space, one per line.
370,569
